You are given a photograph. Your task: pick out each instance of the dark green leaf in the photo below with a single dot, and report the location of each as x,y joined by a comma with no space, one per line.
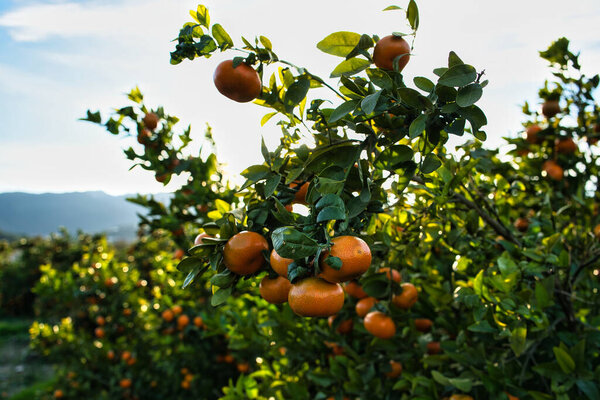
469,95
220,296
290,243
430,164
393,156
343,110
565,362
350,67
369,103
459,75
424,84
296,93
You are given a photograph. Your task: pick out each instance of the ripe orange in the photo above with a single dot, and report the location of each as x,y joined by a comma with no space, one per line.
243,367
243,253
150,121
344,326
228,359
460,397
198,239
188,377
355,255
161,177
279,264
177,309
178,255
380,325
131,361
110,282
553,170
168,315
183,321
550,108
597,231
198,322
433,348
522,224
363,306
100,320
393,275
510,396
125,383
127,312
144,136
354,290
126,355
185,385
289,207
423,324
532,134
275,291
241,84
388,48
300,196
315,297
99,332
396,369
407,298
58,394
110,355
566,146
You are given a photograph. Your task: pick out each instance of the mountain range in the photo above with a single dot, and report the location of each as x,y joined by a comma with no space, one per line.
91,212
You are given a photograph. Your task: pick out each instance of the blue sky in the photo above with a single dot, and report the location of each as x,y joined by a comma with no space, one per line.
58,58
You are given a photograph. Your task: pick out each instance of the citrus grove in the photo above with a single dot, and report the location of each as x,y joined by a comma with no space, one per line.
365,258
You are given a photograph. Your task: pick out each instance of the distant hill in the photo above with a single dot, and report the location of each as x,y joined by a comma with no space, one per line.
92,212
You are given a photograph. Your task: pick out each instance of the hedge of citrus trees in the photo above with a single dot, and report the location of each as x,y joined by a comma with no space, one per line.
365,258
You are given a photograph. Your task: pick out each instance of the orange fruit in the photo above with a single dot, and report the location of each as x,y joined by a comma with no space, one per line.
161,177
510,396
388,48
597,231
58,394
198,239
241,84
460,397
407,298
275,291
178,255
522,224
550,108
355,290
110,282
185,385
393,275
144,136
168,315
396,369
532,134
177,309
423,324
189,377
150,121
126,355
363,306
344,326
300,196
100,320
289,207
228,359
243,253
315,297
131,361
110,355
433,348
380,325
125,383
355,255
182,321
243,367
99,332
566,146
280,264
127,312
198,322
553,170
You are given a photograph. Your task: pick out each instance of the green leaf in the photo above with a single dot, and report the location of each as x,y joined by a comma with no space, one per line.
267,117
342,110
542,296
506,265
463,384
189,263
296,93
192,274
469,95
266,42
93,117
339,43
440,378
475,116
518,338
424,84
350,67
412,14
329,200
565,362
222,37
290,243
459,75
331,214
430,164
271,184
380,78
417,126
334,262
482,326
393,156
414,98
369,103
454,60
202,16
220,296
589,388
256,172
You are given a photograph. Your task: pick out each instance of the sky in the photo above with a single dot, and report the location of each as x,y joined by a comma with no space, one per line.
59,58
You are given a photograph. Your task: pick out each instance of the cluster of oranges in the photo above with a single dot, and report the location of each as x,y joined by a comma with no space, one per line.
175,313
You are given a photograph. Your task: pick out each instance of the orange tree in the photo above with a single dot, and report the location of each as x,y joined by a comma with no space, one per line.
498,309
